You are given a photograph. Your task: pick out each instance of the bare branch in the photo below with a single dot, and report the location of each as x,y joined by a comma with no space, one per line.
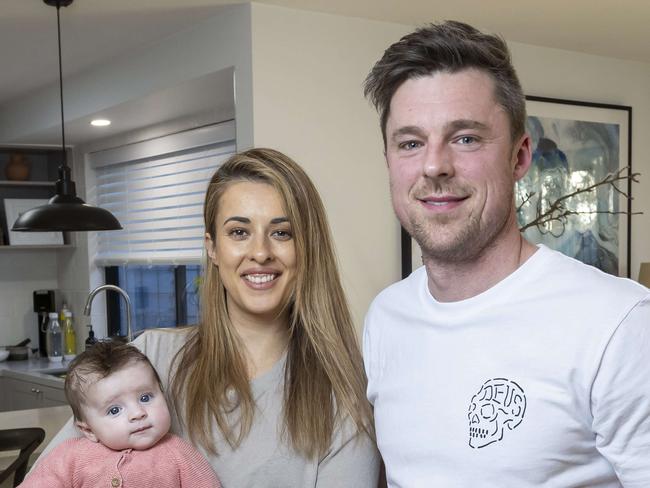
525,200
557,212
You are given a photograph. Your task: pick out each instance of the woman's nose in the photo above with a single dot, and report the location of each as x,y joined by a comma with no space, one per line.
261,249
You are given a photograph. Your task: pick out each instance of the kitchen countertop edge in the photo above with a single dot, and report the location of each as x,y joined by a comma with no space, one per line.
37,370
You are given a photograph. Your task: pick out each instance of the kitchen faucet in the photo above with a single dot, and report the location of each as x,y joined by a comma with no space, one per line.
91,296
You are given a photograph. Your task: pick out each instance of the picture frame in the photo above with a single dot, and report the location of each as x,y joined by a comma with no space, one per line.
576,144
411,254
603,240
14,208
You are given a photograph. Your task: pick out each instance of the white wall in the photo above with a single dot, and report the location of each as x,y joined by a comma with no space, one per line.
22,272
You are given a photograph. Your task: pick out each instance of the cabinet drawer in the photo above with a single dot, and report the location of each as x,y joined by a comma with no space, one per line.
22,395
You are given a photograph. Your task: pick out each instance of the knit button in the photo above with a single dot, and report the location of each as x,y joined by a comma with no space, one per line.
115,482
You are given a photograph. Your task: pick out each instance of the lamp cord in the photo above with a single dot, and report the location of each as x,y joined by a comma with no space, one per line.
58,29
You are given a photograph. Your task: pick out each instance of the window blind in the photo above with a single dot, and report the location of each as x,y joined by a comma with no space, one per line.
158,198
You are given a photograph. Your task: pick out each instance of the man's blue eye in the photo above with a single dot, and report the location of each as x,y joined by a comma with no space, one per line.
146,398
410,145
114,410
467,139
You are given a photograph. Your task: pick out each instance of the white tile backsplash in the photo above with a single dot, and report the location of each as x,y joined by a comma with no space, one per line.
22,272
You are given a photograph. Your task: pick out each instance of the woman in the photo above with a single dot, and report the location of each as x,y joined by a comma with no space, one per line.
270,385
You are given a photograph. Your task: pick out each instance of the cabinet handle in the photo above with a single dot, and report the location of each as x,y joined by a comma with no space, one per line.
35,390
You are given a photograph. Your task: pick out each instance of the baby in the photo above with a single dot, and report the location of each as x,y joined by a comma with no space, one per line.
118,405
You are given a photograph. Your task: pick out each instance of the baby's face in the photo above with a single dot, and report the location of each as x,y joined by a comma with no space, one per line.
126,409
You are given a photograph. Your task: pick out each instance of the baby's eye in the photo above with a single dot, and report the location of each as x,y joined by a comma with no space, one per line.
146,398
114,411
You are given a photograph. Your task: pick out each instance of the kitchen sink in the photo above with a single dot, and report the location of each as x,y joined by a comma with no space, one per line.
57,373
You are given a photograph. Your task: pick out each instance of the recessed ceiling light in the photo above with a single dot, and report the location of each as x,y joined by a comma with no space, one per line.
100,122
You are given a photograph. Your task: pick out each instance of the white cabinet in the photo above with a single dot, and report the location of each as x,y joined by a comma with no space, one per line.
19,394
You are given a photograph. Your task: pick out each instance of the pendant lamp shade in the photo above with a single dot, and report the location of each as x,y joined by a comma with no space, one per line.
65,211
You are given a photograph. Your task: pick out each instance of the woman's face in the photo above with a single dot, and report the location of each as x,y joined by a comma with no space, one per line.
253,248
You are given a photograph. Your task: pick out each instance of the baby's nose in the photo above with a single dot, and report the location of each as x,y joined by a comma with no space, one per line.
137,413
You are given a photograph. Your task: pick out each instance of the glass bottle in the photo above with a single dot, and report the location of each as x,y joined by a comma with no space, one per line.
64,309
55,343
69,336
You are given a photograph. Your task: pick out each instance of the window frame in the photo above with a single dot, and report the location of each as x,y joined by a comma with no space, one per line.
114,302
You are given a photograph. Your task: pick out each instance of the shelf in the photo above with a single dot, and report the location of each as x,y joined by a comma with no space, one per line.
41,185
27,247
26,183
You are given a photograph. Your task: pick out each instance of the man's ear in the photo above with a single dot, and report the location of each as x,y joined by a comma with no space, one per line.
522,157
85,430
209,248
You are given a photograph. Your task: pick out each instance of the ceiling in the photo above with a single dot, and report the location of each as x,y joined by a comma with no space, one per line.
97,30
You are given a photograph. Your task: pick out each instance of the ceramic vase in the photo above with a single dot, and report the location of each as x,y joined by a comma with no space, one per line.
17,168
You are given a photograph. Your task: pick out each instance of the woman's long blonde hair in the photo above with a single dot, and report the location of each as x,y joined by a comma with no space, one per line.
324,376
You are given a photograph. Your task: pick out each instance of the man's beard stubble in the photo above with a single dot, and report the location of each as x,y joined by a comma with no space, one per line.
471,240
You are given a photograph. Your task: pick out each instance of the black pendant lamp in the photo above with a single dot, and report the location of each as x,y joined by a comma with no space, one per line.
65,211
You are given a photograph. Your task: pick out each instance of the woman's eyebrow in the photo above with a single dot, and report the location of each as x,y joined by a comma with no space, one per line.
243,220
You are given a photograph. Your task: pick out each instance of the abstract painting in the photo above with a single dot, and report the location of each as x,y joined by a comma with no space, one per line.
575,145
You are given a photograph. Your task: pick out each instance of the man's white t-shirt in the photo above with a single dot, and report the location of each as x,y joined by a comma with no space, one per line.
542,380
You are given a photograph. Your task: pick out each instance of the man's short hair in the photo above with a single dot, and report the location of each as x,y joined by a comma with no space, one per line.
448,47
95,363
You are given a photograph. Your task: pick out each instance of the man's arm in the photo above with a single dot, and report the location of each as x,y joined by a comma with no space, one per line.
621,399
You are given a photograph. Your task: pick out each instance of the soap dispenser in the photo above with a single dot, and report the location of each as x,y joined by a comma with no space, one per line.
90,341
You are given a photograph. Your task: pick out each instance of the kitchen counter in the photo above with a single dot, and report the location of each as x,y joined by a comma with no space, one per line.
36,370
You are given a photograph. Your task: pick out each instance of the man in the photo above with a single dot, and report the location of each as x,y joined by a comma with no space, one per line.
499,363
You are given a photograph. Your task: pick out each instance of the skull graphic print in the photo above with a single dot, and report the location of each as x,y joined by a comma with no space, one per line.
499,406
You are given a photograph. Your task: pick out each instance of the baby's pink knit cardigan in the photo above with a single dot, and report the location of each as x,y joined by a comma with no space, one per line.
80,463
